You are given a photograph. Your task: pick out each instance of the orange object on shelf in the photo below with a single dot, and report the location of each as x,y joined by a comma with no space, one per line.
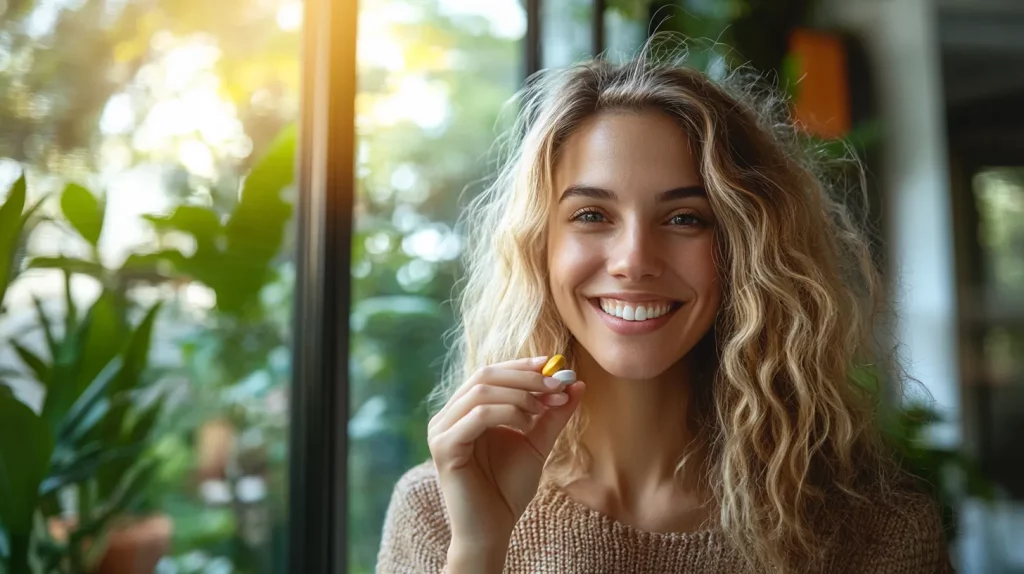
822,100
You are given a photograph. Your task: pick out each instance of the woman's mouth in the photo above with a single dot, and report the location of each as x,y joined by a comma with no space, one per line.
636,310
635,317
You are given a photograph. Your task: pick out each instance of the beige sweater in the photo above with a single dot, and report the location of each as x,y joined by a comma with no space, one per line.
559,535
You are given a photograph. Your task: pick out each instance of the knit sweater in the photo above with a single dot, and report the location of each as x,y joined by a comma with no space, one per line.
560,535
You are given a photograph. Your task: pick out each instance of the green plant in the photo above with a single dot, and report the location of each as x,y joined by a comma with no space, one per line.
234,252
89,439
90,436
16,223
950,474
85,213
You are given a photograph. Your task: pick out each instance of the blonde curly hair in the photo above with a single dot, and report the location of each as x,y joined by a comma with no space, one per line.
789,442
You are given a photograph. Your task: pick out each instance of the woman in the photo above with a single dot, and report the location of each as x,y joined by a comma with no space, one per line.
667,236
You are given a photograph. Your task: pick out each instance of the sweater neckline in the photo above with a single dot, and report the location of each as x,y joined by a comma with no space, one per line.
606,522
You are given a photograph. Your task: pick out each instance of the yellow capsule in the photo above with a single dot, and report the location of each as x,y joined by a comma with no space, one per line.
553,365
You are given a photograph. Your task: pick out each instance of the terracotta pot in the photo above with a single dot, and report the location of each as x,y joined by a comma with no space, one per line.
137,545
134,546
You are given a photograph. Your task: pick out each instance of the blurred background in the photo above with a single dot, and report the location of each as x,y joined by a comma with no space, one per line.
147,278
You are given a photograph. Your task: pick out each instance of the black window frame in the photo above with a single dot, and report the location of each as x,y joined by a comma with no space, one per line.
318,466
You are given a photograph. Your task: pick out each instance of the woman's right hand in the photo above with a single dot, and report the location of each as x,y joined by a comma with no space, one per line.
489,444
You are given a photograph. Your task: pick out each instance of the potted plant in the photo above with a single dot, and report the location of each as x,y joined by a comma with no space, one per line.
87,444
71,473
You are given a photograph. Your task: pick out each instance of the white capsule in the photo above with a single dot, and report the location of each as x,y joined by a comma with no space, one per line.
567,376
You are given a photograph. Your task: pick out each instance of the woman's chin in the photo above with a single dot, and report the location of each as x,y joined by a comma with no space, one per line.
635,367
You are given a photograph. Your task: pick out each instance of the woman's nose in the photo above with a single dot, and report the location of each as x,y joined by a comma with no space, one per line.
633,255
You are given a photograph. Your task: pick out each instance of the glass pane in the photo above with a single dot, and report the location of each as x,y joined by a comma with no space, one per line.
625,30
432,79
999,199
999,196
144,340
565,32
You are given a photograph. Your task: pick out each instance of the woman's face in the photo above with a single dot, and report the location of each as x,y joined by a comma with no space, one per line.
631,244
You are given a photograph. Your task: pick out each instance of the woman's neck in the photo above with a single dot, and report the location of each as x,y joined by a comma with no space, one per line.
636,430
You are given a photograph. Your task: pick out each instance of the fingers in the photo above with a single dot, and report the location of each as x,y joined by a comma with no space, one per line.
512,374
550,425
512,394
478,395
454,446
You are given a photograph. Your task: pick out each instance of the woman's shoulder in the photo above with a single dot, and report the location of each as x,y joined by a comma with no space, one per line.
905,509
418,492
421,478
898,530
416,534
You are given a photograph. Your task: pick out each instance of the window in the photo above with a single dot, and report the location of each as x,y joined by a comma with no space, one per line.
146,336
998,324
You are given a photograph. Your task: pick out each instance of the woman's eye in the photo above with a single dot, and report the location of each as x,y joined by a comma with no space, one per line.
686,219
589,217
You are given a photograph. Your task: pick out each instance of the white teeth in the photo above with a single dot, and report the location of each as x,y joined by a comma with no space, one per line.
634,312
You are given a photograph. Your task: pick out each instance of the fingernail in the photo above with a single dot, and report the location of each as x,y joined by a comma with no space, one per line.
556,400
538,360
552,383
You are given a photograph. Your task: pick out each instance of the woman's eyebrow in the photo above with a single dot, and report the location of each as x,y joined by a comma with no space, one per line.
588,191
682,193
600,193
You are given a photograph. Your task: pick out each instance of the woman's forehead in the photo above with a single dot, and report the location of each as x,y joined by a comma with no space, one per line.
627,152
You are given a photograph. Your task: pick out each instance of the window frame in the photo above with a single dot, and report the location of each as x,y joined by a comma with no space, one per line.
318,466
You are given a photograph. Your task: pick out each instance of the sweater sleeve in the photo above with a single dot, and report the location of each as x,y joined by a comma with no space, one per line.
909,540
416,533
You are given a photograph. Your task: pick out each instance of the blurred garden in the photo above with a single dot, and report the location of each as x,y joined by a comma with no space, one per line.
147,152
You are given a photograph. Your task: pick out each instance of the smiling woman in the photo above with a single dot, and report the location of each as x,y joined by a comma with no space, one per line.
665,233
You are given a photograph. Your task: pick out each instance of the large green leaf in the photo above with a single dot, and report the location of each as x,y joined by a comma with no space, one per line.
71,264
89,464
146,420
154,267
105,338
83,353
200,222
84,211
26,444
46,324
136,354
10,231
35,363
256,228
111,430
91,406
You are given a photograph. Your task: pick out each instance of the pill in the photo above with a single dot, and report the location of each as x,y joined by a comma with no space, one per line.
553,365
565,376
